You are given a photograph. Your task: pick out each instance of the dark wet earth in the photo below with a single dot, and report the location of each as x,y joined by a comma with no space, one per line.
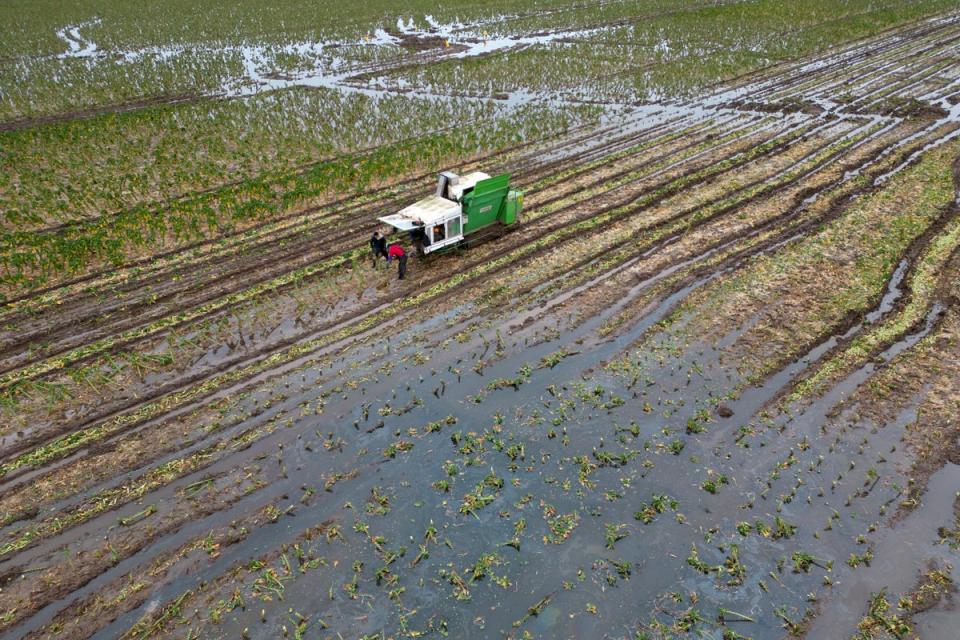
596,495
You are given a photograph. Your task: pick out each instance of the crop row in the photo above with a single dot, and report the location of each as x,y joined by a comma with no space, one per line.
32,259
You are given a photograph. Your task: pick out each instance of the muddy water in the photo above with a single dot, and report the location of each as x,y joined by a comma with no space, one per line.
451,400
656,551
951,129
328,69
901,554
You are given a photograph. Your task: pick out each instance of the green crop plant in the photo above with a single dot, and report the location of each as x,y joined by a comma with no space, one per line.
712,485
733,567
140,515
658,504
560,526
783,529
802,561
476,500
613,533
880,620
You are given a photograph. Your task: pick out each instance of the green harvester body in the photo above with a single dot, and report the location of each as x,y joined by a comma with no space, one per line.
491,201
460,207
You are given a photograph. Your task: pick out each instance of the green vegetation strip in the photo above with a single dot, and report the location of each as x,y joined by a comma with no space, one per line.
28,259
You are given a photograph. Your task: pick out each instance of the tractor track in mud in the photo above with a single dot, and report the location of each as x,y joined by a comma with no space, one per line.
886,67
132,544
93,112
836,207
232,534
842,64
915,250
705,250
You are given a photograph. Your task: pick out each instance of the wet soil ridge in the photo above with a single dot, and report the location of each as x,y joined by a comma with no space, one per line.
694,393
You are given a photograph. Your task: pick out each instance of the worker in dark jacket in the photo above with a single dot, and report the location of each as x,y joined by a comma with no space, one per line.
378,247
396,251
419,237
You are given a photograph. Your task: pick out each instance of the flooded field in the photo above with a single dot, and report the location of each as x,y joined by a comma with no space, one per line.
708,387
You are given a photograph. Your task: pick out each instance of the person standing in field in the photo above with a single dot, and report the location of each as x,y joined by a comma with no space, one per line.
396,251
378,247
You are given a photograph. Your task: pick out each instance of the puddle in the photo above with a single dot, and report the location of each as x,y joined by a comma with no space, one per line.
952,117
901,554
79,46
323,66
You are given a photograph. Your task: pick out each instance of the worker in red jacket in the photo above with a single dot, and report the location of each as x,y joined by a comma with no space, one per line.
396,251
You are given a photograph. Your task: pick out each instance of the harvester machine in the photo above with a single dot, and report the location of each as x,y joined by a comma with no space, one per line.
463,209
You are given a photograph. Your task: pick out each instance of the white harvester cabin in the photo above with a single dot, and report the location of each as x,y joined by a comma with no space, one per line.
440,216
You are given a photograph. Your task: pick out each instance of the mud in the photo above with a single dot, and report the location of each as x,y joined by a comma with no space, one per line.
886,304
910,108
93,112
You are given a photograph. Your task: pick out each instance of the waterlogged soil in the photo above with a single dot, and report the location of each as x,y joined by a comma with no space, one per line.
322,304
593,424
